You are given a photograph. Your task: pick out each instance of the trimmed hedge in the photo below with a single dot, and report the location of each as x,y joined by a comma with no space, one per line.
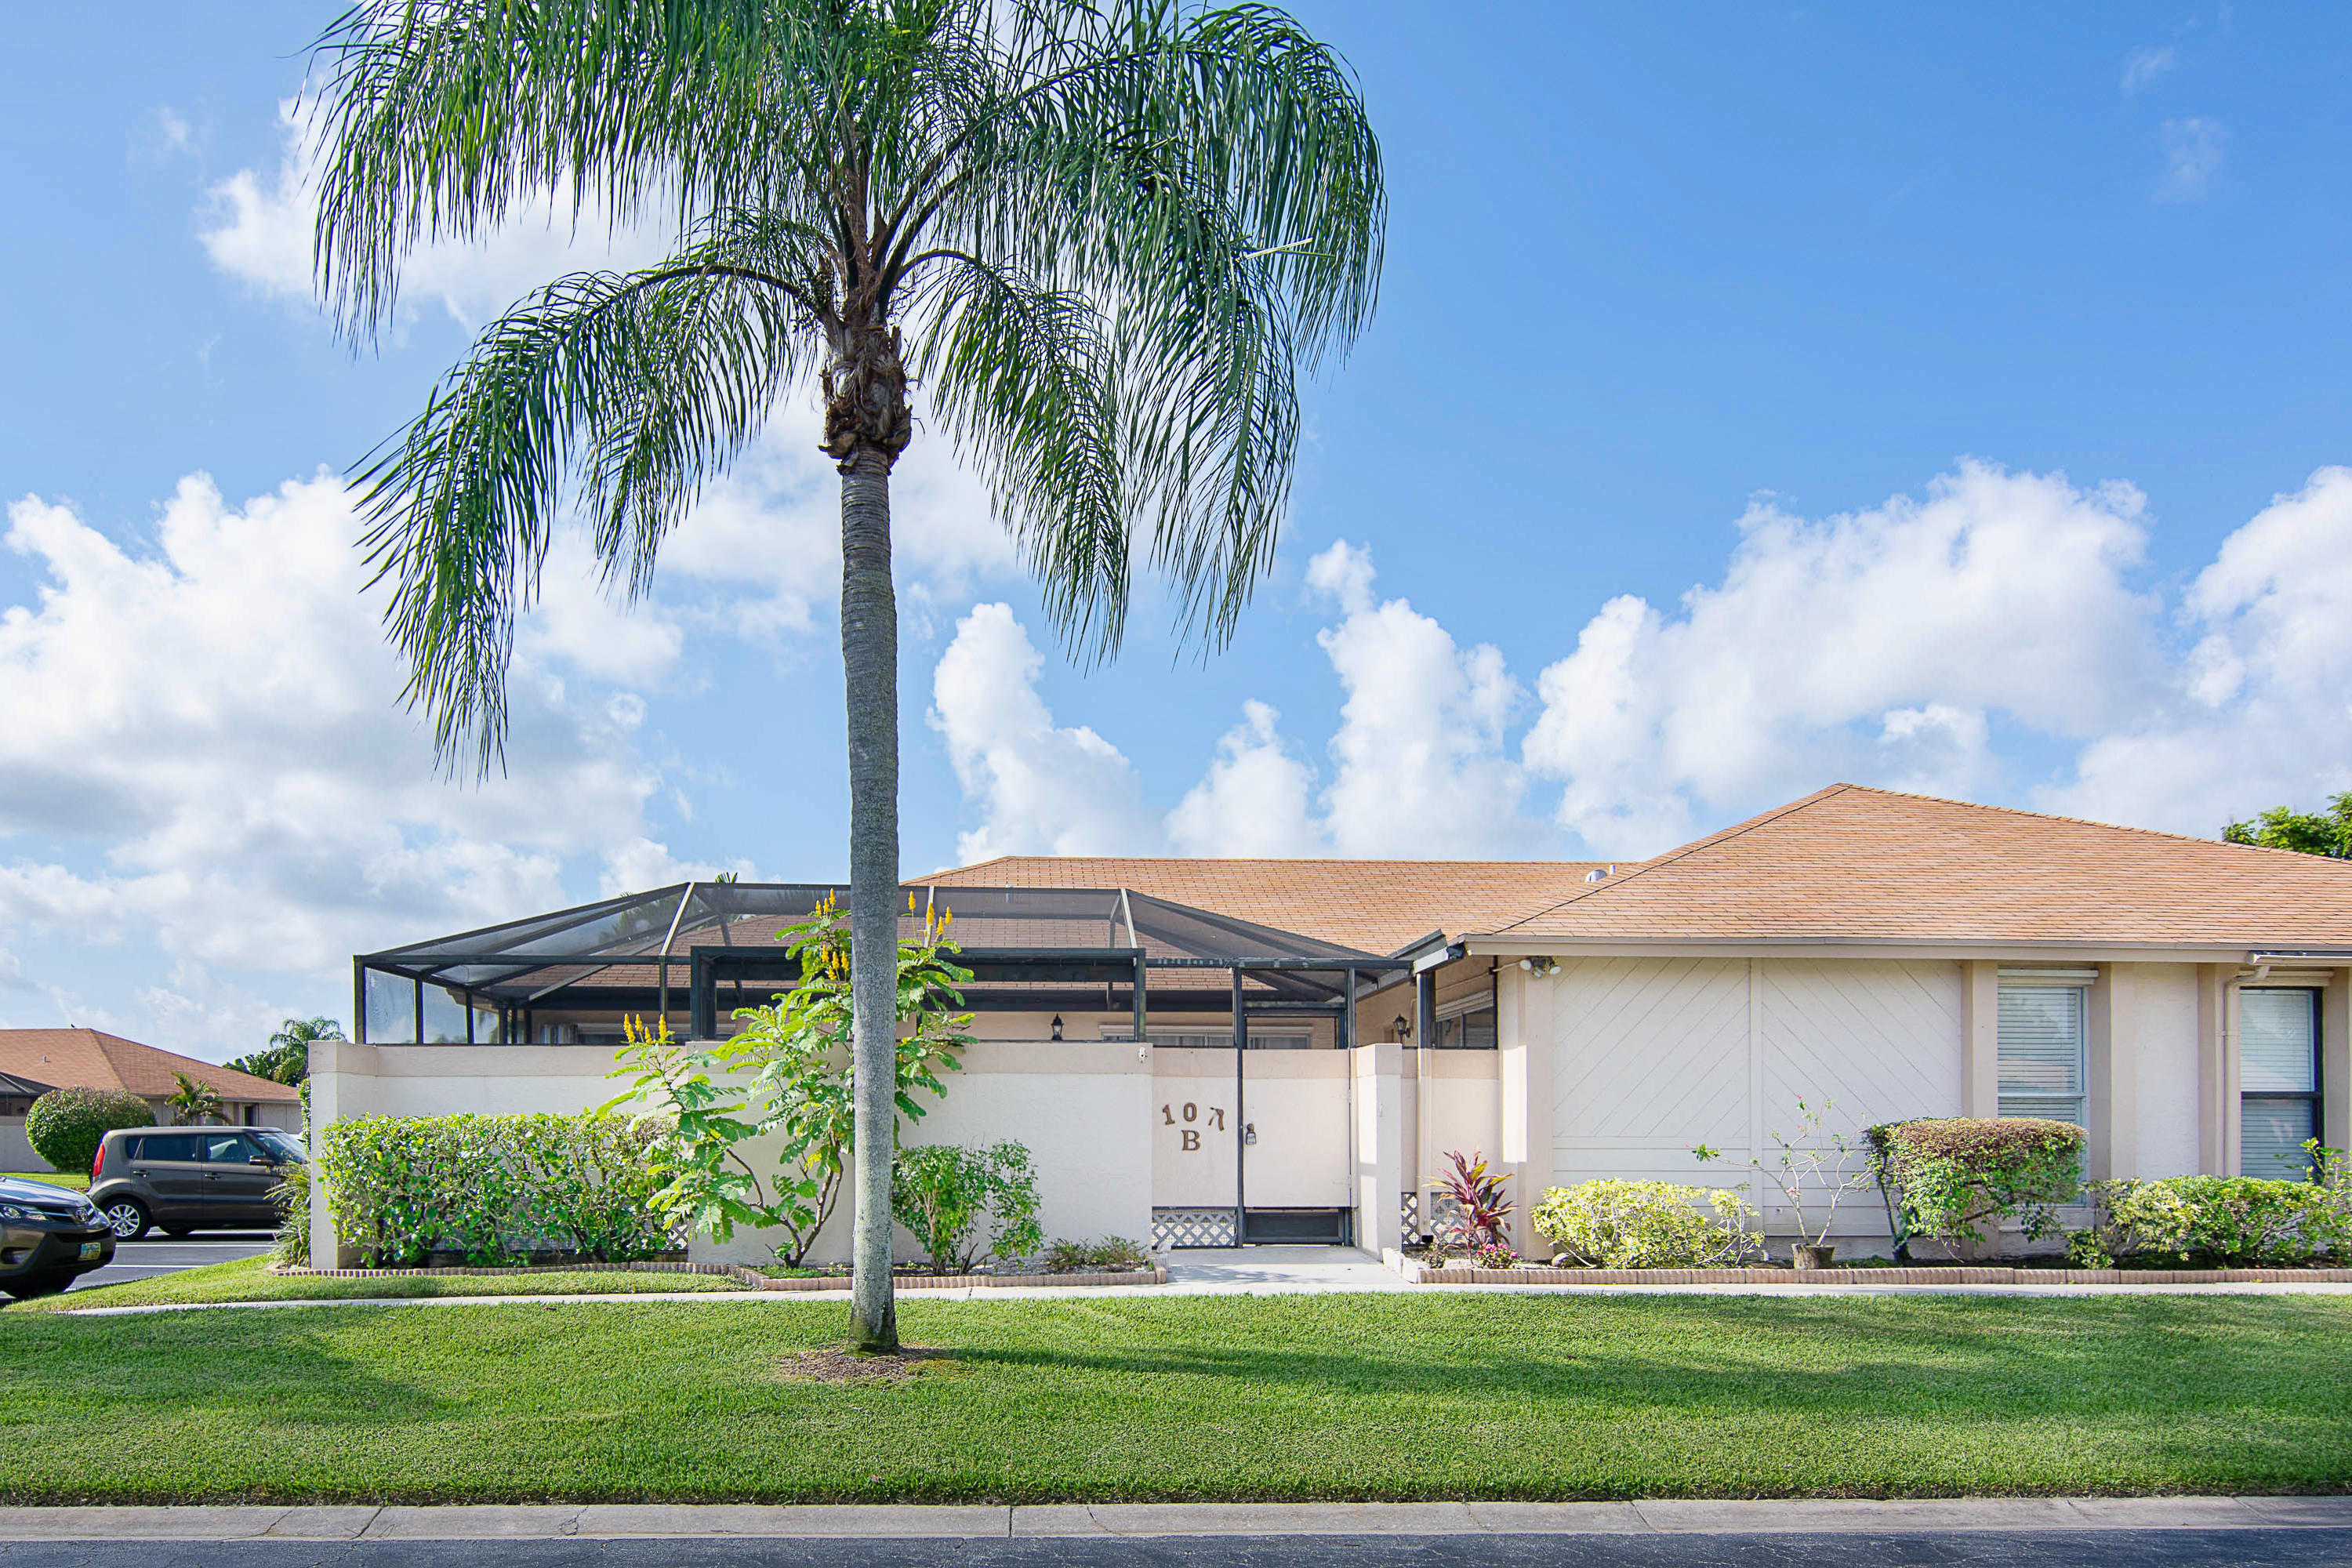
1958,1178
498,1189
2221,1222
65,1125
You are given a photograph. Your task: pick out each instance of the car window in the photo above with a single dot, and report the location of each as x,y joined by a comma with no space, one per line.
280,1145
228,1149
171,1146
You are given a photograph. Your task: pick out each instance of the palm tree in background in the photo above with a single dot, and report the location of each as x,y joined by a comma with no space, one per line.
195,1102
287,1058
1104,238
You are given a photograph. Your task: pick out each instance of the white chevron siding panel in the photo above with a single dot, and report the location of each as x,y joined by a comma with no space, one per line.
1881,1042
1652,1056
1649,1058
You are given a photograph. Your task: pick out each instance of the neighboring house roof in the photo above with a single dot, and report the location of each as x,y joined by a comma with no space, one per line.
1870,865
91,1058
1374,906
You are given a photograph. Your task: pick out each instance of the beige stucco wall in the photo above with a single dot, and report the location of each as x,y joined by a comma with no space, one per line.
1077,1105
2164,1032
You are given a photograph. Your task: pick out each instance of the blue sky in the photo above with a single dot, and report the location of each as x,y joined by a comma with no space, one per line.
1759,397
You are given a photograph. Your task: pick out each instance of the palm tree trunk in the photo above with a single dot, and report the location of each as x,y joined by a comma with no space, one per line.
869,657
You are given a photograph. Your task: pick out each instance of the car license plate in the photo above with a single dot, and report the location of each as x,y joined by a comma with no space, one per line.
91,1250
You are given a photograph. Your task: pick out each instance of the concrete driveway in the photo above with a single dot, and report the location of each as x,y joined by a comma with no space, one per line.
158,1254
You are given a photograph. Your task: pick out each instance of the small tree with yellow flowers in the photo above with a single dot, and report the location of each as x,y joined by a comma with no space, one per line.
797,1053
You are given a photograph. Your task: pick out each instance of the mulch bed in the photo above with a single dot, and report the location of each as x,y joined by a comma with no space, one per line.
1417,1273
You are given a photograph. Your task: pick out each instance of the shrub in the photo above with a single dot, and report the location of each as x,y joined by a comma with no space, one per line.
1496,1254
1081,1257
2223,1222
64,1126
1951,1178
1479,1206
1813,1162
292,1195
797,1055
942,1192
1648,1224
496,1189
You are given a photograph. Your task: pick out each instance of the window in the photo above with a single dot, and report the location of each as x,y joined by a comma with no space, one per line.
1471,1031
2278,1081
283,1145
170,1146
2040,1051
227,1149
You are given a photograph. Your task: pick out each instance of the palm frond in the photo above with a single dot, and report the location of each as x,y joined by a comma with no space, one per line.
626,392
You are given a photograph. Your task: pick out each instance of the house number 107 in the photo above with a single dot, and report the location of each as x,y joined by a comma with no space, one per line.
1191,1113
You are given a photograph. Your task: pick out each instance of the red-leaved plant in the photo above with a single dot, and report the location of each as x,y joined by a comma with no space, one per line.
1479,1197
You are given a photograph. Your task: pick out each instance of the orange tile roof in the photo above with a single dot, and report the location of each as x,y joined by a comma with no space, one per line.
1374,906
91,1058
1856,863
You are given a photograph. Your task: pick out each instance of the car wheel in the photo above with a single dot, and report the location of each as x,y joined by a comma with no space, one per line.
47,1282
126,1217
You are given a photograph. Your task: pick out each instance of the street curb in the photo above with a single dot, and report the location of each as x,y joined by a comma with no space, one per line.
1696,1516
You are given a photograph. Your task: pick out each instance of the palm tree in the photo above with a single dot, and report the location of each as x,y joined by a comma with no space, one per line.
195,1102
287,1058
1106,237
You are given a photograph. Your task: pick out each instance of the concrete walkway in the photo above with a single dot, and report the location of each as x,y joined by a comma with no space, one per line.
619,1521
1282,1270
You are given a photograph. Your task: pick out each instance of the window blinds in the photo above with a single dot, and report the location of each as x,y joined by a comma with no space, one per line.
2278,1044
2040,1052
2278,1074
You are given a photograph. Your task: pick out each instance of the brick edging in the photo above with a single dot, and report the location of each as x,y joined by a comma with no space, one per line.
1156,1275
1417,1273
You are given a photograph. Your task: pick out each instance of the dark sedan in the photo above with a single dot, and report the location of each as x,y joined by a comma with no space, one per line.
49,1236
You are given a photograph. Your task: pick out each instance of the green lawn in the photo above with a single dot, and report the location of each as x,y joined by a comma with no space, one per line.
54,1178
249,1281
1272,1397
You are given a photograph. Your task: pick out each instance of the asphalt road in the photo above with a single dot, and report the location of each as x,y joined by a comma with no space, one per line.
1977,1549
158,1254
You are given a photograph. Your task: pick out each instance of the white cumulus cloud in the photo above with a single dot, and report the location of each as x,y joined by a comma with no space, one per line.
1420,771
257,226
1873,645
1042,789
1255,800
2257,713
205,750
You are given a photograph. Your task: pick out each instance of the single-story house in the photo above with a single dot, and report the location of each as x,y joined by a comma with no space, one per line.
1886,955
34,1061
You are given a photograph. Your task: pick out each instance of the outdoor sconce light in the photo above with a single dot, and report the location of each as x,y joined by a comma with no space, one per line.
1249,1133
1541,968
1403,1028
1057,1025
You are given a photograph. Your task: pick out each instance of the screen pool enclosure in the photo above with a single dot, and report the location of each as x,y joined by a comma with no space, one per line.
694,952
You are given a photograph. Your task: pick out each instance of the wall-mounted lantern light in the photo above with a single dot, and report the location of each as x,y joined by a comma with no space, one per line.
1057,1025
